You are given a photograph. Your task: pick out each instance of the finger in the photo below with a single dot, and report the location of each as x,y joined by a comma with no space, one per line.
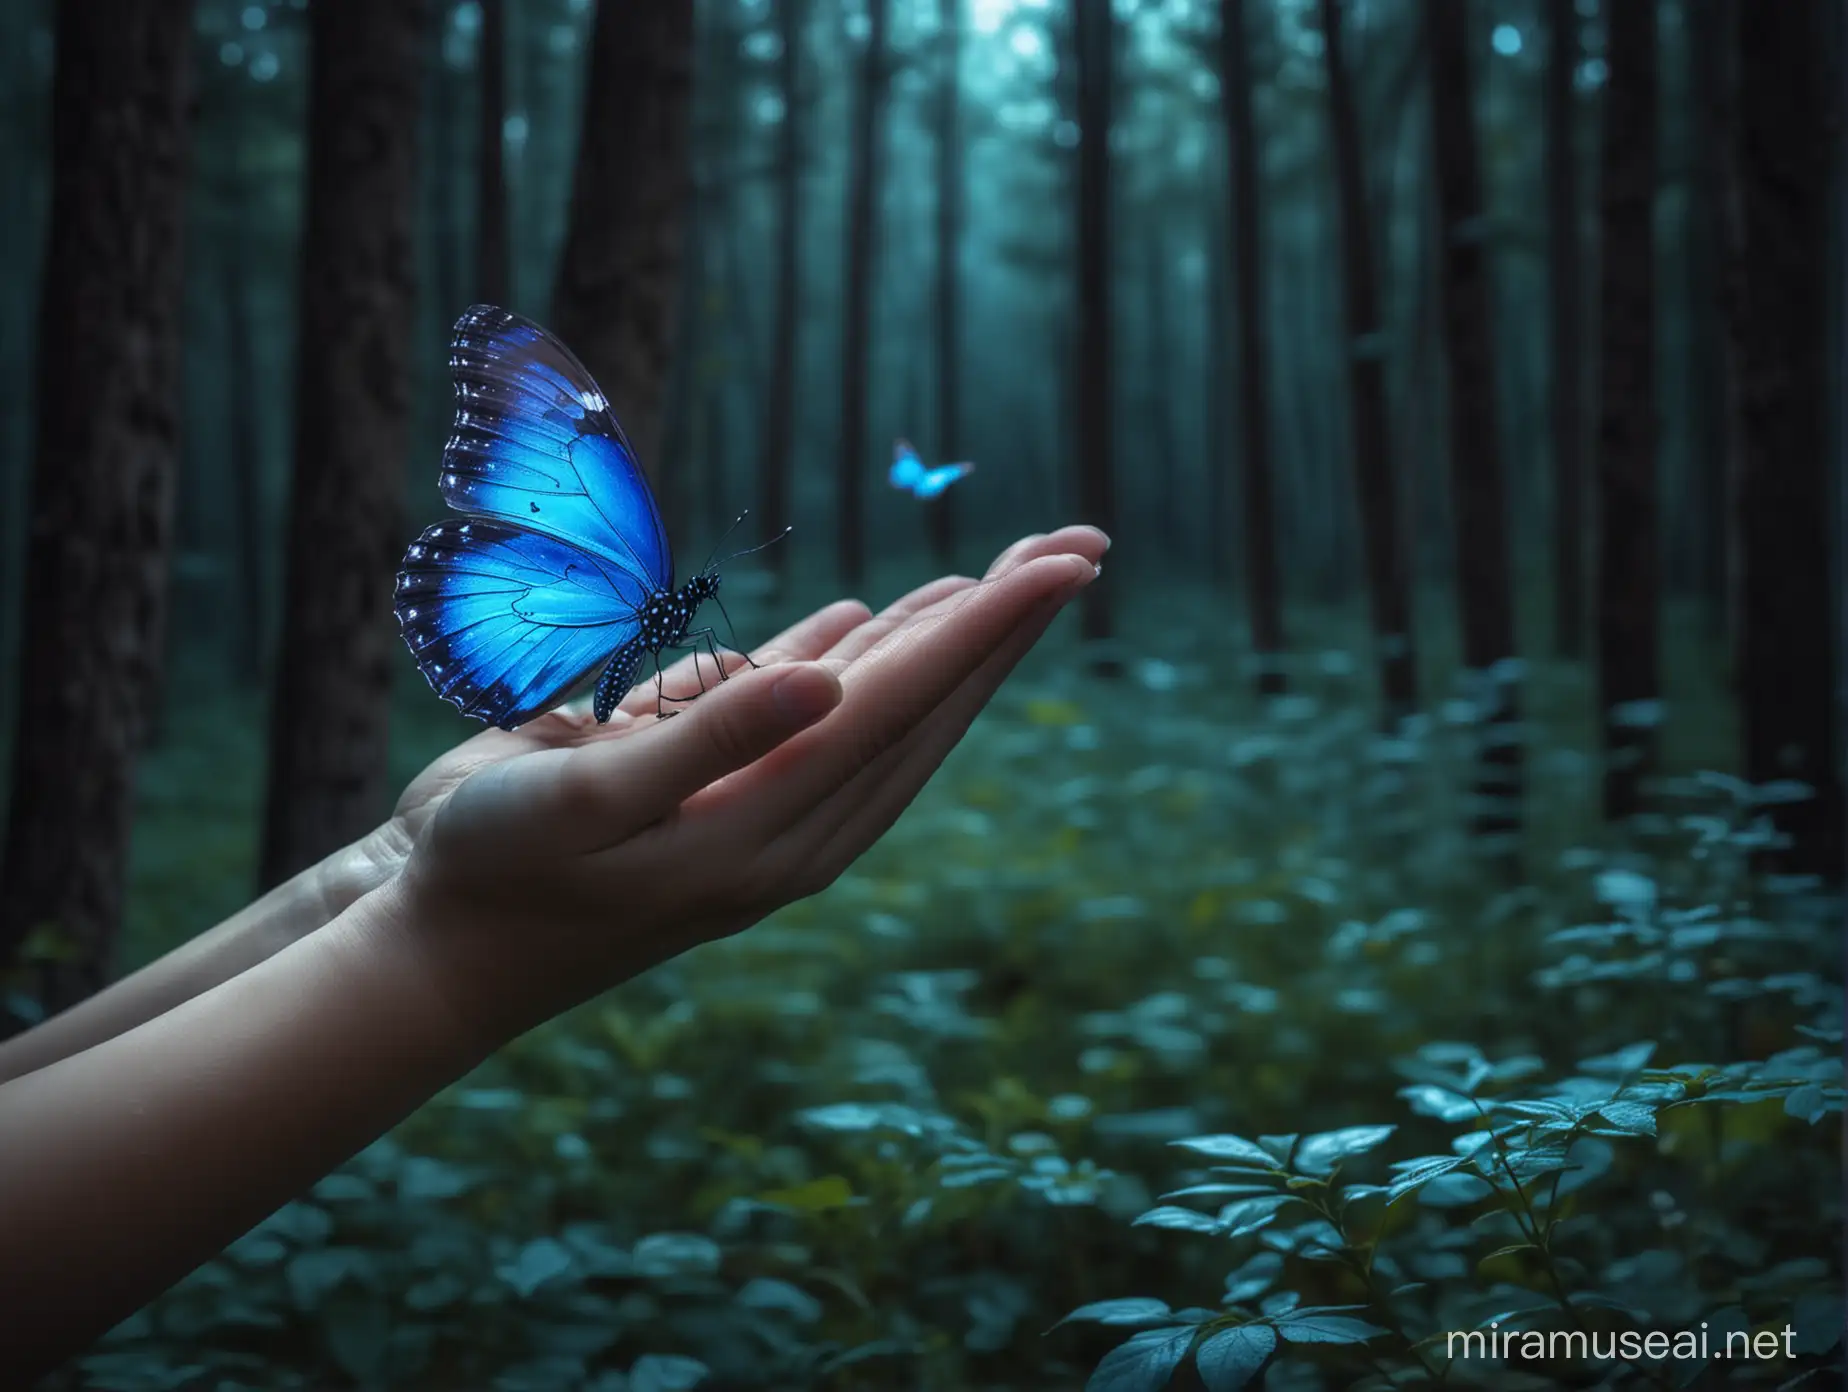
802,641
576,801
1077,541
894,687
856,644
836,832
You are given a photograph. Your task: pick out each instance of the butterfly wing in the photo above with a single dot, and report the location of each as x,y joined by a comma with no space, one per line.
535,443
504,621
907,468
934,481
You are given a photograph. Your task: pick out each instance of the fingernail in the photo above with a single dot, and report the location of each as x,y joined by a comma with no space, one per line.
805,693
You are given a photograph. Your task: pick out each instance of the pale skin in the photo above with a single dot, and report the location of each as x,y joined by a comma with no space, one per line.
142,1131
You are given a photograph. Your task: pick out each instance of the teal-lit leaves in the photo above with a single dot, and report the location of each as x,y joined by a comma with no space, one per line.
1319,1154
1428,1099
1807,1103
1178,1220
1144,1364
660,1372
768,1294
538,1262
1228,1360
1253,1279
676,1254
1234,1149
313,1275
1412,1175
1130,1311
1321,1325
424,1178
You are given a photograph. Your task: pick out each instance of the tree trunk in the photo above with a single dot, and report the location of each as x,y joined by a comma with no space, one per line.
865,163
940,514
1711,264
1565,274
1369,430
1093,48
779,438
243,428
1485,592
1786,651
358,300
1159,453
1629,579
493,247
614,298
1263,587
99,510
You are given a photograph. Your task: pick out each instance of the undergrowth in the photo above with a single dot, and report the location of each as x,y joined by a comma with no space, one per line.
1167,1041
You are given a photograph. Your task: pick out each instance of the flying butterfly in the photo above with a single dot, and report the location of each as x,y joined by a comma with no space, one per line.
909,474
559,562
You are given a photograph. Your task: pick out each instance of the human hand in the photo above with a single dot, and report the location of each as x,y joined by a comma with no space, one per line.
544,864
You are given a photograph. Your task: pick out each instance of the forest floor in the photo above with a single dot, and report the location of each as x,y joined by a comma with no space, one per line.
890,1137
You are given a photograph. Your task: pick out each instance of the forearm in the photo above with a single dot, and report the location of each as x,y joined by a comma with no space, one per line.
126,1165
255,933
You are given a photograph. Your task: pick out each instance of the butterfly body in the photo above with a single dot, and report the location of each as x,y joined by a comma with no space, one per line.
909,474
559,564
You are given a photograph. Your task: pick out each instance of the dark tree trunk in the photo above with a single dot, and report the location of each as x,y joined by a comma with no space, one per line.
940,516
614,300
1484,586
1629,550
1565,276
1370,435
866,161
99,510
1263,588
493,248
1159,460
786,316
1786,650
358,300
243,430
1093,48
1711,265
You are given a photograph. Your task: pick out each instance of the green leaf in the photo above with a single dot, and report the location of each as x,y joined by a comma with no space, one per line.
358,1329
1806,1103
666,1372
539,1261
1230,1359
771,1295
1428,1099
1319,1154
1128,1310
1629,1118
1415,1174
1631,1059
1144,1364
313,1275
817,1196
1179,1219
1230,1148
1817,1319
1327,1329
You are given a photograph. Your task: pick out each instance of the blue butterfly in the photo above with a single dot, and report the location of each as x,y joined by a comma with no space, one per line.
908,472
560,561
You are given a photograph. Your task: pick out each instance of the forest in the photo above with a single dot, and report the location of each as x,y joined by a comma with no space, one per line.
1405,898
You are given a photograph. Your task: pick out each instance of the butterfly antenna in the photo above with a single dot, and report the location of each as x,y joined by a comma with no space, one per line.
749,550
721,541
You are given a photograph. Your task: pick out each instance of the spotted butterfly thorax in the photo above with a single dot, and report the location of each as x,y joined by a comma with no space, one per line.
559,563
